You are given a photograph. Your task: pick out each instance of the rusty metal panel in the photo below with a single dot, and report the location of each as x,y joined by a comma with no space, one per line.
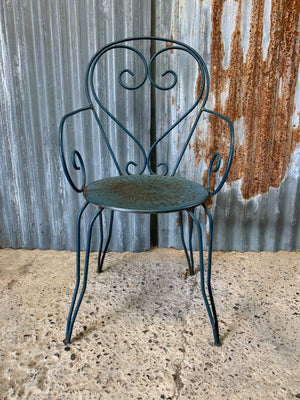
252,51
44,50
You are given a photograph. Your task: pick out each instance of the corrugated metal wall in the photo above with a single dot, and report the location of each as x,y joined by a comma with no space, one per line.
45,47
252,51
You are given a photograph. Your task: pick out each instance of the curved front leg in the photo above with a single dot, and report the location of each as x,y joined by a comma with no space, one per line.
77,268
73,313
210,307
210,219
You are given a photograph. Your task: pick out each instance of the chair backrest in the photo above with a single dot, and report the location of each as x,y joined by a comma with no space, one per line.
138,71
133,70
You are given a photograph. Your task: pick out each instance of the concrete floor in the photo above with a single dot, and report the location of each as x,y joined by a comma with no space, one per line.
142,331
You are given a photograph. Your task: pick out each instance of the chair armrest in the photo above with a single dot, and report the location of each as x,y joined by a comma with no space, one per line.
76,158
218,157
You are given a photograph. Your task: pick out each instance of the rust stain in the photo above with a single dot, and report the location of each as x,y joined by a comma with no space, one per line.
262,91
170,44
173,100
198,148
189,221
198,84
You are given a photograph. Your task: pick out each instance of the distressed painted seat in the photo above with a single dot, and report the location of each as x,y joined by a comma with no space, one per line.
145,193
145,181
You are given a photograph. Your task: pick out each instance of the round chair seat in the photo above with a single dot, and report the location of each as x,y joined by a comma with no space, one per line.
146,193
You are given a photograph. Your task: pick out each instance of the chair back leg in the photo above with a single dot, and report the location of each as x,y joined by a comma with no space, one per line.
101,255
189,257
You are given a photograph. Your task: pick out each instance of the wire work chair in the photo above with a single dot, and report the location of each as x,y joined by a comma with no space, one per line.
138,187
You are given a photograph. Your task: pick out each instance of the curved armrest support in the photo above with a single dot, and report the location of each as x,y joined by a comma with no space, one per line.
218,157
76,158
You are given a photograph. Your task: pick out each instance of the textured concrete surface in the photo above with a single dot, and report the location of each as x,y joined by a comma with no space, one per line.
142,331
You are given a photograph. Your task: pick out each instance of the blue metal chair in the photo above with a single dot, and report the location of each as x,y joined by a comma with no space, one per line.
146,191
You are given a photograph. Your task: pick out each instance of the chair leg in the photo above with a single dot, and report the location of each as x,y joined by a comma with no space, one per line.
73,312
210,307
77,269
210,219
189,257
191,245
100,244
101,255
